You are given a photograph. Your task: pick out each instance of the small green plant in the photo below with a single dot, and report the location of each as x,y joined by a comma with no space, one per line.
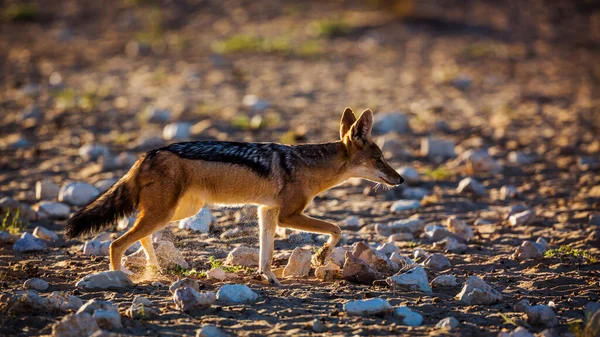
567,251
12,222
267,45
331,28
21,12
214,263
508,320
440,173
241,122
412,244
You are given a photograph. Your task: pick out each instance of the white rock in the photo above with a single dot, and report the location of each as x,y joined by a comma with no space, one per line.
105,280
400,226
91,152
64,301
210,331
236,294
400,237
404,205
385,122
420,253
75,325
476,291
96,248
168,255
479,161
142,300
352,221
508,192
408,316
217,274
186,282
107,319
437,261
388,248
518,332
338,255
450,244
516,209
46,190
44,234
27,301
319,326
378,261
187,298
437,232
522,218
414,279
105,184
416,193
176,131
432,147
444,281
529,250
299,263
29,243
401,260
142,311
410,175
92,306
156,116
53,210
78,193
328,272
255,103
460,227
537,314
470,185
373,306
35,284
200,222
447,323
242,256
520,158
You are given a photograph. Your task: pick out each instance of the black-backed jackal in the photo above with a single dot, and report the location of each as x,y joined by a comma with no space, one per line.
173,182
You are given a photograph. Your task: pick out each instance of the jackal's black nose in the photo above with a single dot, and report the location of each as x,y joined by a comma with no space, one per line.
400,181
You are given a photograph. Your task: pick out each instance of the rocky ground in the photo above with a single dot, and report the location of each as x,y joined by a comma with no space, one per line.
489,110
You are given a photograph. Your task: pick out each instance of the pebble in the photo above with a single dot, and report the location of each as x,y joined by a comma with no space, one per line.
437,233
408,316
352,221
386,122
217,274
46,190
176,131
36,284
470,186
450,244
29,243
92,306
357,271
44,234
448,323
78,193
373,306
388,248
93,151
401,260
107,319
444,281
64,301
328,272
298,264
75,325
210,331
460,227
142,311
414,279
53,210
437,261
186,282
537,314
255,103
105,280
520,158
522,218
242,256
156,116
319,326
400,226
399,237
96,248
379,261
518,332
338,255
432,148
411,176
530,250
479,161
168,255
508,192
187,298
476,291
236,294
26,302
404,205
416,193
594,220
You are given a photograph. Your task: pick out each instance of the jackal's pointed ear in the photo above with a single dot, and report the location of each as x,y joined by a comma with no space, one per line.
348,119
361,130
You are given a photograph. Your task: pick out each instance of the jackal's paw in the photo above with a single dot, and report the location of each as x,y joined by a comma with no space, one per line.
320,256
271,278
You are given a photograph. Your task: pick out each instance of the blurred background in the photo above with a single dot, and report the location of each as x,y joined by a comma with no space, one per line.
86,86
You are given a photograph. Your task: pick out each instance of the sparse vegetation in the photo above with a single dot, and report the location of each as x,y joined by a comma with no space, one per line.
261,45
21,12
331,28
440,173
566,251
11,222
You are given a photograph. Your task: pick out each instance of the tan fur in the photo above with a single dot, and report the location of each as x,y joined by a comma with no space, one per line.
172,188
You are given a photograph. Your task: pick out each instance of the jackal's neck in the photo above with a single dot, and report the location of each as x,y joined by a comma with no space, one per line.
323,165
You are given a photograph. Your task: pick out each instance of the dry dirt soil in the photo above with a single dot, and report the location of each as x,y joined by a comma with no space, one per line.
494,75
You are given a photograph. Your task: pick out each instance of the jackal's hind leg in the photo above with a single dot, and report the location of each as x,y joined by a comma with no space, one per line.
267,219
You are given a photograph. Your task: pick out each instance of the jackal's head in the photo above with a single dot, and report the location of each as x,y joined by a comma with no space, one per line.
365,159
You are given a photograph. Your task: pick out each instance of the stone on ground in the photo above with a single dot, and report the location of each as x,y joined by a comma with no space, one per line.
414,279
298,264
105,280
447,323
444,281
44,234
373,306
77,193
236,294
186,282
541,315
75,325
36,284
29,243
328,272
187,299
210,331
242,256
477,291
408,316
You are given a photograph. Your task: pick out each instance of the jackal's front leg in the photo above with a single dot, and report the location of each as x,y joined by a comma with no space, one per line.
267,219
305,223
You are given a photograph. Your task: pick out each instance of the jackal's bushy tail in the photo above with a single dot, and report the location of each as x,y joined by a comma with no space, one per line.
117,202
